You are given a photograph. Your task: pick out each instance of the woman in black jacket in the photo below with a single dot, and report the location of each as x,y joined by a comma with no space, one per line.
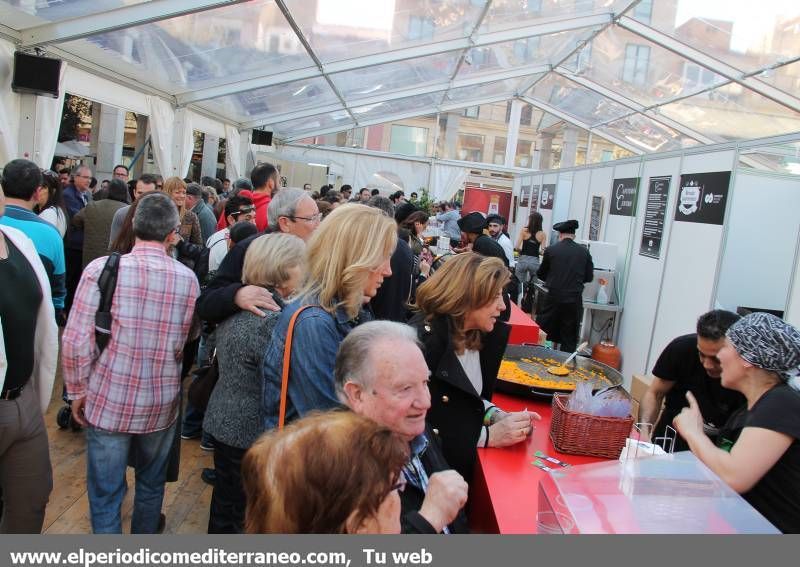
463,342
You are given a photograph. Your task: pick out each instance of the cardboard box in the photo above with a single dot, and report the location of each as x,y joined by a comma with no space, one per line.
639,385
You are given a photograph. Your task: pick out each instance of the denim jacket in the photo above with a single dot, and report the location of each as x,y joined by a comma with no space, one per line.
316,339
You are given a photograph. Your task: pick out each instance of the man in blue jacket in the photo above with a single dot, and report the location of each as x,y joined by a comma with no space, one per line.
76,197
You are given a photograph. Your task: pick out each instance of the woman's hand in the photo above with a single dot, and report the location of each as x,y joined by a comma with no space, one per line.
689,422
511,428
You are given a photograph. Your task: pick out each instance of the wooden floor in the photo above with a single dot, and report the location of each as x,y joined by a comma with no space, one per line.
186,502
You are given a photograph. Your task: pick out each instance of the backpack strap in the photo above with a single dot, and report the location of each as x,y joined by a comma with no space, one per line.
287,358
107,282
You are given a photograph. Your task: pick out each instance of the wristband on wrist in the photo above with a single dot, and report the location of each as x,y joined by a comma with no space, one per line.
487,417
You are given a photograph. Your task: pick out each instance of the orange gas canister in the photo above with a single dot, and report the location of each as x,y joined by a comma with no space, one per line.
607,353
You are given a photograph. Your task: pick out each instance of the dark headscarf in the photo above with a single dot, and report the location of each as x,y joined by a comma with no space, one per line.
768,342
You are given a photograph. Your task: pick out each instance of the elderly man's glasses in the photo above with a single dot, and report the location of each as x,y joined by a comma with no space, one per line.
315,218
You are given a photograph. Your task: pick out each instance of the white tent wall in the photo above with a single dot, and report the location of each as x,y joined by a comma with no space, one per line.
761,240
692,255
793,305
619,228
645,278
234,164
579,202
561,205
9,105
445,182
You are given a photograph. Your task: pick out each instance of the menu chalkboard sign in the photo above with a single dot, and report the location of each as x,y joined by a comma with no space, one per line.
655,212
623,197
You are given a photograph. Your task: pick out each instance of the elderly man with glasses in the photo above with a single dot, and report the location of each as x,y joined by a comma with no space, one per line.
381,374
76,196
292,211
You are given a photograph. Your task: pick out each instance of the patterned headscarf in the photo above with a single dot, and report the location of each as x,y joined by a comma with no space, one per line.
767,342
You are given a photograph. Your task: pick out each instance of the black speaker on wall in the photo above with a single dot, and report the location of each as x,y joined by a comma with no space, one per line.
34,74
262,137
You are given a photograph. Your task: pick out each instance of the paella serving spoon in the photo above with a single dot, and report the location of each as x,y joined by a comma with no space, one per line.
561,369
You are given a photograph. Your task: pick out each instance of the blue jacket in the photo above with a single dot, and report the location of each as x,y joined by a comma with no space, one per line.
48,245
73,203
316,339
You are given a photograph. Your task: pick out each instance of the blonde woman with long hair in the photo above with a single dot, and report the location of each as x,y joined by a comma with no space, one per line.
348,258
463,342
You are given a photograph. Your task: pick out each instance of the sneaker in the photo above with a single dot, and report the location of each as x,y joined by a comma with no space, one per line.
209,476
206,445
187,436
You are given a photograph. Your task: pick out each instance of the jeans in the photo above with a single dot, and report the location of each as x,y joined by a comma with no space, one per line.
107,459
227,500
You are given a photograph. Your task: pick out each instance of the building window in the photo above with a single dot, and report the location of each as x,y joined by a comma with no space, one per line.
420,27
408,140
523,157
527,49
634,70
499,151
643,11
533,6
583,56
470,147
697,76
525,117
471,112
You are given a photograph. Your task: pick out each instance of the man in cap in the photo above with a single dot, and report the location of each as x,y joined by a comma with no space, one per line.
473,225
565,267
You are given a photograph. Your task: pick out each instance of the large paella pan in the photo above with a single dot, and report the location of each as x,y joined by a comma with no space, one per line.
524,372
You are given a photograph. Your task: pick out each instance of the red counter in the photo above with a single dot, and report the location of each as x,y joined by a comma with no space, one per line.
523,328
504,493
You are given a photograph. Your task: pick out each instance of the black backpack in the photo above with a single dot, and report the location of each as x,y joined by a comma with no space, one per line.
107,282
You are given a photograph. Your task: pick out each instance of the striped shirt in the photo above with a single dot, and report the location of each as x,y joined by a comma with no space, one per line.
133,386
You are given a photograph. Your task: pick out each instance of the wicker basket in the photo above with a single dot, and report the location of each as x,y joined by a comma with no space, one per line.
583,434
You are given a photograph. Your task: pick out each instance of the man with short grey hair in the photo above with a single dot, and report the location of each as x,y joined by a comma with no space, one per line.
76,196
381,373
291,211
128,397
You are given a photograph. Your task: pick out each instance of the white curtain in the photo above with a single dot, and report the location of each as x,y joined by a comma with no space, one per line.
48,123
183,136
162,121
172,137
446,181
9,106
233,152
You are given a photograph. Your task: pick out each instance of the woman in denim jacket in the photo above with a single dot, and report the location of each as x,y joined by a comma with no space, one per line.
348,258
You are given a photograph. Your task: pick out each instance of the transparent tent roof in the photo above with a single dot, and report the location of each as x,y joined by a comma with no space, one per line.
648,75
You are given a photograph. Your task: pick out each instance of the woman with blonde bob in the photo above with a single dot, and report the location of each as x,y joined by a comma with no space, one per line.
348,258
328,473
463,342
189,230
276,262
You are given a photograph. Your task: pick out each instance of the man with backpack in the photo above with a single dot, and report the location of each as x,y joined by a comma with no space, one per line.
128,395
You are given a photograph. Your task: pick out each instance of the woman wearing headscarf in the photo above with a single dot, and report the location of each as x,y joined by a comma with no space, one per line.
758,452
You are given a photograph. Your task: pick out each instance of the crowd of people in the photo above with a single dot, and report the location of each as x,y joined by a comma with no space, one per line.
349,375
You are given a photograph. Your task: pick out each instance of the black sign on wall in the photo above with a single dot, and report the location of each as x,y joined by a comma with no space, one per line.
595,217
547,196
623,197
524,195
702,197
655,212
534,198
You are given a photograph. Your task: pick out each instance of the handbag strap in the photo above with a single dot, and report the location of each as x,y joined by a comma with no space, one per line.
287,357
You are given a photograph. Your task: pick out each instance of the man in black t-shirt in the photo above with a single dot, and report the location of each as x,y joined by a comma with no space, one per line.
690,363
